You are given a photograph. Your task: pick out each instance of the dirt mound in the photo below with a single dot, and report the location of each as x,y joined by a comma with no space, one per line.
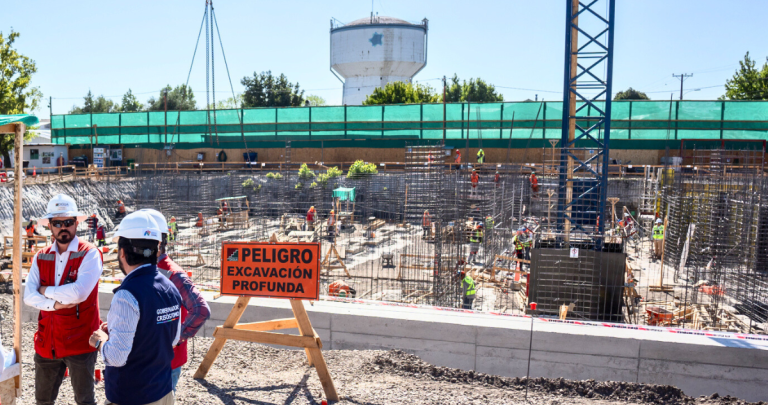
398,362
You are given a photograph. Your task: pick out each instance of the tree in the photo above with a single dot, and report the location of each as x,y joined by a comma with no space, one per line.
131,103
95,105
477,90
402,93
16,94
748,83
266,90
230,103
630,94
315,101
180,98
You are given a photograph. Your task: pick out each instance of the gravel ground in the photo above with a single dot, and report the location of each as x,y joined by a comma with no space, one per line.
249,373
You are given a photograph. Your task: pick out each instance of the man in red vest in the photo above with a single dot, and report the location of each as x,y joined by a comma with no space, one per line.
63,284
194,311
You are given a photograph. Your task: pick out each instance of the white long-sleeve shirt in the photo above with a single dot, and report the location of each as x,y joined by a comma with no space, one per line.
122,321
73,293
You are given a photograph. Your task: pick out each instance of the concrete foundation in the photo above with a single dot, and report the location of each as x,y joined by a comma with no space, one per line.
699,365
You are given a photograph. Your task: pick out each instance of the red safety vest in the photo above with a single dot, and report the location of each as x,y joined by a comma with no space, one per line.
65,332
426,221
168,267
474,178
30,231
121,208
310,216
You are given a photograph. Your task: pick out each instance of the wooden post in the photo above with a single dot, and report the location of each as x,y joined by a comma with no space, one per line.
17,242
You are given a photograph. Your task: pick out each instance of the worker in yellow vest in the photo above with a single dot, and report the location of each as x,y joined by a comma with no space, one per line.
468,290
481,156
658,238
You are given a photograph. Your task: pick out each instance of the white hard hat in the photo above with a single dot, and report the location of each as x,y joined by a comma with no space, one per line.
62,206
138,225
162,224
658,220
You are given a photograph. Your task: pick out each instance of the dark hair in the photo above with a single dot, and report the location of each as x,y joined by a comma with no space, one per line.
163,242
138,251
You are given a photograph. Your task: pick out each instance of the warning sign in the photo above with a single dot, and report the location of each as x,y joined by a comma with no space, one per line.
275,270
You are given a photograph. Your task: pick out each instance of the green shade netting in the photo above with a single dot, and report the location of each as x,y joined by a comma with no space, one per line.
344,194
26,119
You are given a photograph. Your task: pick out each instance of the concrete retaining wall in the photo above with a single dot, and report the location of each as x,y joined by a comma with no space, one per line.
699,365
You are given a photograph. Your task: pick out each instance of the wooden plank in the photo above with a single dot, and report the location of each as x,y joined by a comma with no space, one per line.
269,338
276,324
514,259
218,343
17,259
317,356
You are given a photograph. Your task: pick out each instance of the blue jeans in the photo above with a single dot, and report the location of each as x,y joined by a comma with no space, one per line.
175,374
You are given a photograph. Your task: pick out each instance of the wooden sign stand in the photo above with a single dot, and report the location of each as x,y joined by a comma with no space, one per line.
260,332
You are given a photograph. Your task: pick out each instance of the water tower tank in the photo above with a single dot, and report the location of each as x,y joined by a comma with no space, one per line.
373,51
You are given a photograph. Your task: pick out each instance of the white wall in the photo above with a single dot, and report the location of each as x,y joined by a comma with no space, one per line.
39,161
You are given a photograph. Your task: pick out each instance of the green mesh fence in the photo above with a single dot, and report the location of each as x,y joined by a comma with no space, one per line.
631,120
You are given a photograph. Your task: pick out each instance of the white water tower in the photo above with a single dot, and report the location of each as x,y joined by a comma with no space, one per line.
371,52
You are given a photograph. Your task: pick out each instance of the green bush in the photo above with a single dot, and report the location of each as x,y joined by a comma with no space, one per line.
276,176
313,185
248,183
334,172
298,186
360,168
305,173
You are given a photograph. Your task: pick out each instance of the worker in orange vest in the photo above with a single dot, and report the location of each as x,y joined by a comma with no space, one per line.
497,179
458,159
534,184
120,209
311,218
474,178
199,223
31,232
426,224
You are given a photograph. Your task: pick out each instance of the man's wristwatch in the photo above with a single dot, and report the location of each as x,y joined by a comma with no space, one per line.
98,344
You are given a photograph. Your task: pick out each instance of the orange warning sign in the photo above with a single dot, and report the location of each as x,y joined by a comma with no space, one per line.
274,270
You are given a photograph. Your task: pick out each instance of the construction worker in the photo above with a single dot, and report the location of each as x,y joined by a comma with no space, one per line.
497,179
534,184
457,160
93,226
311,218
144,320
474,178
489,222
426,224
200,220
519,244
430,158
120,209
480,156
194,311
60,160
467,290
475,239
225,208
101,236
341,289
658,238
63,284
31,230
332,224
527,243
173,229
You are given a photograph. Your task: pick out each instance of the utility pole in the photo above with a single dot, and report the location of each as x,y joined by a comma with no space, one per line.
444,117
682,77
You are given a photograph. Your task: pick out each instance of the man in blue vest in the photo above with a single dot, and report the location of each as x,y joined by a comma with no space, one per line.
144,320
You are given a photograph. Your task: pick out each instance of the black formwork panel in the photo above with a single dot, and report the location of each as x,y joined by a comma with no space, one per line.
593,282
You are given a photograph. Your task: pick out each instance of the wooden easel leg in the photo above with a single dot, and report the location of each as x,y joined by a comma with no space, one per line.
305,328
218,343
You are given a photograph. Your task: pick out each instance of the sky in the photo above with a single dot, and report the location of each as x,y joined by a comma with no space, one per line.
518,46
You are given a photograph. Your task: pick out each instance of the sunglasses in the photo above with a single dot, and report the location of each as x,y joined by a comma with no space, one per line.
63,224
